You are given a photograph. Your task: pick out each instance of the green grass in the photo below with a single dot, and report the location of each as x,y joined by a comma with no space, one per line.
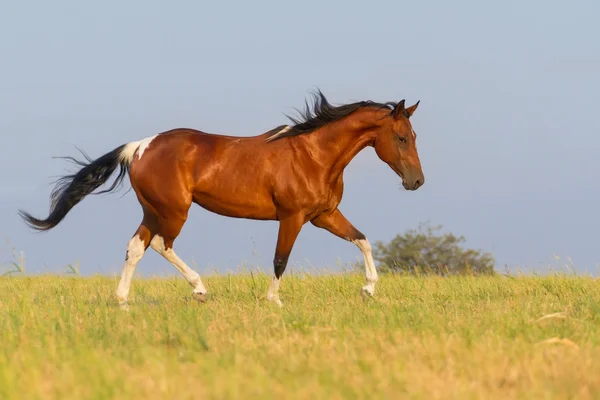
426,338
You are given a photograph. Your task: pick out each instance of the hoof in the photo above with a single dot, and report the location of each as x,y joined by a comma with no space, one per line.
201,297
275,299
278,302
366,292
124,306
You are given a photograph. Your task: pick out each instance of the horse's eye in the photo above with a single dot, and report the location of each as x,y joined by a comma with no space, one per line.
401,139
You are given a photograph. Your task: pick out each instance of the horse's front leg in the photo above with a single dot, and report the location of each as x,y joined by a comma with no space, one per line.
337,224
289,228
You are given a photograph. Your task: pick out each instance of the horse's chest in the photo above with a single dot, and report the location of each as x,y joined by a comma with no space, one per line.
331,196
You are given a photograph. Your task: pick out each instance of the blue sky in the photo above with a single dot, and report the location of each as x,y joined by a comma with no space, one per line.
508,124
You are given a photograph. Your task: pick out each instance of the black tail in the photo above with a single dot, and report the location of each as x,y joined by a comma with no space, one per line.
71,189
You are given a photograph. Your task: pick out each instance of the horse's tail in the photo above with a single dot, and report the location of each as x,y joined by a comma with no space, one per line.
71,189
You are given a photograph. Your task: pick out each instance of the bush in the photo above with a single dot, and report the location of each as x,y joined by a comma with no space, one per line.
424,251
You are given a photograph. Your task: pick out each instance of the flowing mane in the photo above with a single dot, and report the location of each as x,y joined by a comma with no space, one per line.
322,113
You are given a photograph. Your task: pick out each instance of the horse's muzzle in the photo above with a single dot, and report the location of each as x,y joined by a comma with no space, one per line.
413,184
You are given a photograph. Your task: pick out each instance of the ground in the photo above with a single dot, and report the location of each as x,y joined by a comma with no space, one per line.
419,338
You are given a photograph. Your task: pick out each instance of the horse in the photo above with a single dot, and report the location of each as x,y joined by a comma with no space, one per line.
292,174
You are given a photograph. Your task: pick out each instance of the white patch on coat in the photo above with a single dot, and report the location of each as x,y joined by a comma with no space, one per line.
140,146
284,130
279,133
144,145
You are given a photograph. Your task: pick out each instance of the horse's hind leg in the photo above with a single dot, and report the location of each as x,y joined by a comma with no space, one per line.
162,243
135,250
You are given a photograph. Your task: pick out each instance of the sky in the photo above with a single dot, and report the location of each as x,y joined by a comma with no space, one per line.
508,127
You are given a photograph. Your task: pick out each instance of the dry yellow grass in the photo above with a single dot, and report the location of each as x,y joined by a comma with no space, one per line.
420,338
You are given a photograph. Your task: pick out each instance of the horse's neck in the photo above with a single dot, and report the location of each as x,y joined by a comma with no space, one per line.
340,144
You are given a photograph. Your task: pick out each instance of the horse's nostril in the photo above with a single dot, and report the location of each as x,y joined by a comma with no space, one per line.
417,183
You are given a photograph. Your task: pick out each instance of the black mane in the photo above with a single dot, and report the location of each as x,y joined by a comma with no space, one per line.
322,113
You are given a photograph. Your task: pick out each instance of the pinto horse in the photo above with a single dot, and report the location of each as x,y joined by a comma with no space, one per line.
292,174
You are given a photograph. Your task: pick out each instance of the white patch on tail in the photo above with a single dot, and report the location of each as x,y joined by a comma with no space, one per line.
129,151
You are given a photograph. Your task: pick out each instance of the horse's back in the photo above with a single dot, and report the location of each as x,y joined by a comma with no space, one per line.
225,174
234,176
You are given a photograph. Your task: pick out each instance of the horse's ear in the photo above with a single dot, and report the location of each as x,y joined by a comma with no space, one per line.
399,110
411,110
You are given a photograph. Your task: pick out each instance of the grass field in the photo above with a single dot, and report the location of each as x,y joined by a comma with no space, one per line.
424,338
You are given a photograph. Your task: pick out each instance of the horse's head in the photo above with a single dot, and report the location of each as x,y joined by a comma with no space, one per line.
396,145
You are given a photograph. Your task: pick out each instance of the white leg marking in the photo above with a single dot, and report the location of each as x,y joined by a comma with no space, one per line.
273,294
135,251
189,274
370,271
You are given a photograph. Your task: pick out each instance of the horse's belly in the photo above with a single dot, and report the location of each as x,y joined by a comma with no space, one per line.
237,204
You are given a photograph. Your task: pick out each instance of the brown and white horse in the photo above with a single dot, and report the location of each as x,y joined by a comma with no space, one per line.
292,174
